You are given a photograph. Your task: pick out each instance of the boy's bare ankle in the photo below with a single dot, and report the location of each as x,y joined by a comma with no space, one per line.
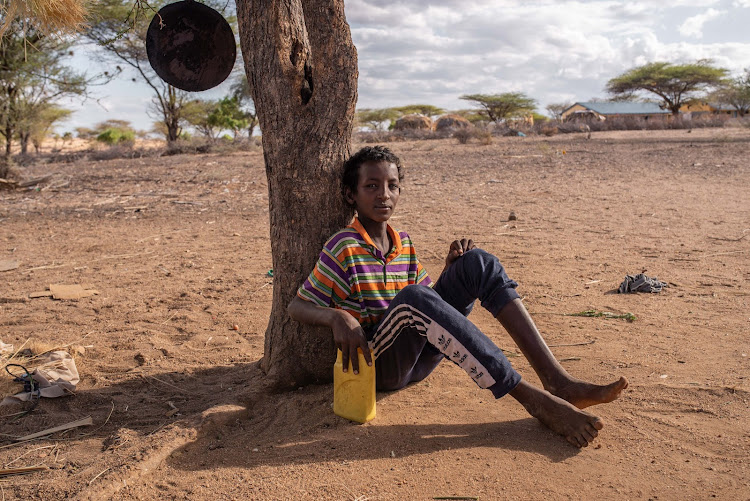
578,427
583,394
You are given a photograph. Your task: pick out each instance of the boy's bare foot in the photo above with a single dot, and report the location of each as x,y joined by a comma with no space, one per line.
578,427
583,394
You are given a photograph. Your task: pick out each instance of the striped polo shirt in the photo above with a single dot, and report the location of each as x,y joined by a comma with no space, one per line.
353,275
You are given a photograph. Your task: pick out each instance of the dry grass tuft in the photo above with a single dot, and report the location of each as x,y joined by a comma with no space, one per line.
50,16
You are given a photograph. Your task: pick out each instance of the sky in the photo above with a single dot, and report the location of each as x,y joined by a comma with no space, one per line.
434,51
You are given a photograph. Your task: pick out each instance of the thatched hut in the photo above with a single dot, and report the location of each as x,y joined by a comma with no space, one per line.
452,122
413,122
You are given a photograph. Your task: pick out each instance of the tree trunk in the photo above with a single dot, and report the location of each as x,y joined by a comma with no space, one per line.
23,138
302,68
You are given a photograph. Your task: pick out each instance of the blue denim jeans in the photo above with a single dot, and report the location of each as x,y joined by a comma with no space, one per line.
423,325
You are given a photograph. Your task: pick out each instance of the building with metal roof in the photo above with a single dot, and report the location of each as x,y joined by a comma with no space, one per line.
605,109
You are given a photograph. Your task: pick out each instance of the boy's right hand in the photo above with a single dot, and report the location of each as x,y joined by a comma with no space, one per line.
348,336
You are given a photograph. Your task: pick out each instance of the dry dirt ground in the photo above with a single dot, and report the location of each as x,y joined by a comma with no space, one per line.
178,248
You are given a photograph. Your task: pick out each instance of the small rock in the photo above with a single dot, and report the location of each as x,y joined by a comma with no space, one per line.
140,359
512,216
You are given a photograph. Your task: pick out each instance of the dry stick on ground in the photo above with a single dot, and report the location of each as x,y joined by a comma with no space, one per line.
726,253
144,376
571,344
87,421
29,452
99,475
20,471
744,234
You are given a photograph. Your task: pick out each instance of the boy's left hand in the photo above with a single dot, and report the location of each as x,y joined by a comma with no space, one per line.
457,249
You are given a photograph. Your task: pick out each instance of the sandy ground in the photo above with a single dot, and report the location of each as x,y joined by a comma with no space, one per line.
178,249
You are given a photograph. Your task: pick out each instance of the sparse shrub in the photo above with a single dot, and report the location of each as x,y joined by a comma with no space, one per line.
462,135
481,134
115,136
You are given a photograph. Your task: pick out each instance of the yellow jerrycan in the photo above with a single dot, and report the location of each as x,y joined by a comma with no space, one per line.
354,394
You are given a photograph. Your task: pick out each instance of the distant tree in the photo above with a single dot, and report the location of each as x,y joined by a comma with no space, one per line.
556,110
420,109
243,93
198,113
119,27
33,76
38,129
376,119
538,117
85,132
499,107
228,115
113,123
675,84
735,94
472,116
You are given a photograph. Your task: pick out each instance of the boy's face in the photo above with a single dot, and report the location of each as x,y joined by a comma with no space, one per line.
377,193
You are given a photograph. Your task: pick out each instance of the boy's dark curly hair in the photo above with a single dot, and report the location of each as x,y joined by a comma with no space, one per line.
350,172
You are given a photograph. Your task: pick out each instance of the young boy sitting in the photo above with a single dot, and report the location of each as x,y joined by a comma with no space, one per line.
370,289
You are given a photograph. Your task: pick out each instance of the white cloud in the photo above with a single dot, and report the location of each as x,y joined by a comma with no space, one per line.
433,51
693,26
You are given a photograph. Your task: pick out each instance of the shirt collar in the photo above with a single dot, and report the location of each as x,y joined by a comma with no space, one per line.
395,238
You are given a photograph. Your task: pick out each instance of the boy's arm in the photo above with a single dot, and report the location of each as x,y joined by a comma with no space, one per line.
347,333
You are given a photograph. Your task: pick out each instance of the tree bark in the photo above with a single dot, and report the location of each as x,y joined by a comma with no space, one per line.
302,69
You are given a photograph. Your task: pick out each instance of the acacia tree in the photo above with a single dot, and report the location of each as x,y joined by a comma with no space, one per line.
427,110
377,118
499,107
302,68
37,129
119,28
556,110
736,94
242,93
675,84
33,77
198,113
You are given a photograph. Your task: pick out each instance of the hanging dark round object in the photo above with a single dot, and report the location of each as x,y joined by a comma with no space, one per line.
190,46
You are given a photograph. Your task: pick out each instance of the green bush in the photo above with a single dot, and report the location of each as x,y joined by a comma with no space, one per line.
116,136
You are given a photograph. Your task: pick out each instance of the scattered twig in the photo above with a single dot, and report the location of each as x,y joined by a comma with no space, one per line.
32,182
475,498
261,287
102,425
144,376
509,353
572,344
744,234
569,359
170,318
99,475
48,267
29,452
726,253
20,471
87,421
